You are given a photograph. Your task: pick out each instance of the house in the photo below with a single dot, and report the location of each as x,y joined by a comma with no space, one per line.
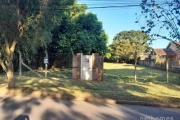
175,46
143,56
160,54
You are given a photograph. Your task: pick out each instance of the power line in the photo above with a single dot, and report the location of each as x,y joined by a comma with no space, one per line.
116,4
113,6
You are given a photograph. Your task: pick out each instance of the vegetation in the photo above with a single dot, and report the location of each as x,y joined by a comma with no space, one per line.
160,17
25,26
117,84
129,45
28,26
80,34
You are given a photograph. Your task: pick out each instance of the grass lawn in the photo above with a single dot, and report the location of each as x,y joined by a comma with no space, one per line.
117,84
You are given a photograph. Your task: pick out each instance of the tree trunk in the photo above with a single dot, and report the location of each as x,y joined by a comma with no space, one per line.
10,77
135,66
7,64
10,71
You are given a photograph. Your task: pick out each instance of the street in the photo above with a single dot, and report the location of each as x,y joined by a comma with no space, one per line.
26,108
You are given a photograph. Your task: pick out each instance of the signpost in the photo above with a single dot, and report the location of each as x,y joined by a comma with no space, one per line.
46,65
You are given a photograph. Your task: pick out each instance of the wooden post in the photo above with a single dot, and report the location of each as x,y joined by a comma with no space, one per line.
167,69
46,69
46,63
20,63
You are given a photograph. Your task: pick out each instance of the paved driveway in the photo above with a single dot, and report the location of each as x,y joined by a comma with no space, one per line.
18,108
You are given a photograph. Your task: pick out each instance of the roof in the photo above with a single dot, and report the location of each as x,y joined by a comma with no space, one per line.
177,43
162,51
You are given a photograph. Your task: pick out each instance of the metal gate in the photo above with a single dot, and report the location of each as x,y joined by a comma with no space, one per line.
86,67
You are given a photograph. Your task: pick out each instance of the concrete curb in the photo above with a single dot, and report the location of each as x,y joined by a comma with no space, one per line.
107,101
142,103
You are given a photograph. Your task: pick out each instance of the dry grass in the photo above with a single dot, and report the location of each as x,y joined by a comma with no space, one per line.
117,84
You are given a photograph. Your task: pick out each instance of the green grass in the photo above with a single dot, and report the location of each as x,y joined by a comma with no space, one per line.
124,73
117,84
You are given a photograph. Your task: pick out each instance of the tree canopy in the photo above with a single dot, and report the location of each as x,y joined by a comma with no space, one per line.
81,33
160,19
90,37
26,25
127,43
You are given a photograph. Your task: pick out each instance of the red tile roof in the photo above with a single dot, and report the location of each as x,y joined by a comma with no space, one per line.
161,51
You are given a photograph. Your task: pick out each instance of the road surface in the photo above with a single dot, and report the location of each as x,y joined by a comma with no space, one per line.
25,108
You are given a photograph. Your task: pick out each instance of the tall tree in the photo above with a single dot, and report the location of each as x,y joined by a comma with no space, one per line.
130,44
160,19
90,37
80,33
121,50
63,35
25,25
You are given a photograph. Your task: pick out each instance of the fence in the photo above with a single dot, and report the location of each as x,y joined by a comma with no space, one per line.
37,61
54,62
159,66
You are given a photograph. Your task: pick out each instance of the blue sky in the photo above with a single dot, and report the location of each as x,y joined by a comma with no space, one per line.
116,20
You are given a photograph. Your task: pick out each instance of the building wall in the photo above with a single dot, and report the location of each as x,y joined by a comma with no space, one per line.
173,47
177,58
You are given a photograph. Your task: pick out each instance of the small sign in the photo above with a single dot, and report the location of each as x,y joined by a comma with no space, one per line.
45,60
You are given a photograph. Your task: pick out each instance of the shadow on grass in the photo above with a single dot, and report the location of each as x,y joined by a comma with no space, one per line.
118,85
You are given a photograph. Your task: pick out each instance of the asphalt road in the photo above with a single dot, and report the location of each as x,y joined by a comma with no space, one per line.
18,108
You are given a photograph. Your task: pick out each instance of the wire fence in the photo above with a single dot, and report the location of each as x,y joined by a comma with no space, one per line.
37,62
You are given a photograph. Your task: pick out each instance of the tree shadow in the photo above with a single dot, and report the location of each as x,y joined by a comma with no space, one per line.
22,117
174,87
60,115
10,105
55,109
